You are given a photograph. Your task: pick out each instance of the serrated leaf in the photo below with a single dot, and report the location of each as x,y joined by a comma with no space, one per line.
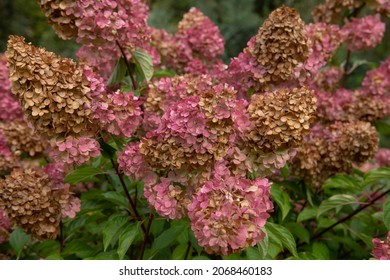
82,174
116,198
342,182
320,251
18,239
118,73
335,201
144,63
79,248
252,253
282,199
375,175
168,236
126,239
386,213
107,150
307,214
113,226
282,236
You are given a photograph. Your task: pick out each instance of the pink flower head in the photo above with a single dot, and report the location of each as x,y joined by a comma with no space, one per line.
119,112
381,249
377,81
167,198
325,39
228,213
364,33
134,166
201,34
76,151
10,108
382,158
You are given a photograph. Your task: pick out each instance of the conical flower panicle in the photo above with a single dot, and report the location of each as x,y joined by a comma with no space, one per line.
281,44
52,90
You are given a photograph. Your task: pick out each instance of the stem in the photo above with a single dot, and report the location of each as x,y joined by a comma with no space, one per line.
135,84
345,70
146,236
130,200
358,210
187,251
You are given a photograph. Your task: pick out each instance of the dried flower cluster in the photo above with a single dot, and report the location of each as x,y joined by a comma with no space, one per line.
333,149
7,159
21,138
56,13
332,10
27,199
364,33
5,225
381,249
228,213
281,44
281,118
52,90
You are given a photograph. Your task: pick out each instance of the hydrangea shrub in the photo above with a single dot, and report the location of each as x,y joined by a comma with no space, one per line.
149,146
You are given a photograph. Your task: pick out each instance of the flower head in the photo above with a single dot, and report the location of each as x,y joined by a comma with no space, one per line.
381,250
52,89
228,213
26,197
281,44
364,33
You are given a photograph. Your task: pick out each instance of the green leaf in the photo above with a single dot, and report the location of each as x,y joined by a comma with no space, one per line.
282,199
116,198
386,213
112,228
18,240
342,182
168,236
320,251
79,248
163,73
383,126
107,150
126,239
307,214
299,231
252,253
375,175
263,245
55,256
180,252
144,63
118,74
82,174
282,236
335,201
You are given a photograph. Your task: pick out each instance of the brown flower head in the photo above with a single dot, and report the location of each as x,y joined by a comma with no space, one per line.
332,10
281,44
52,89
21,138
26,197
281,118
333,149
63,23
